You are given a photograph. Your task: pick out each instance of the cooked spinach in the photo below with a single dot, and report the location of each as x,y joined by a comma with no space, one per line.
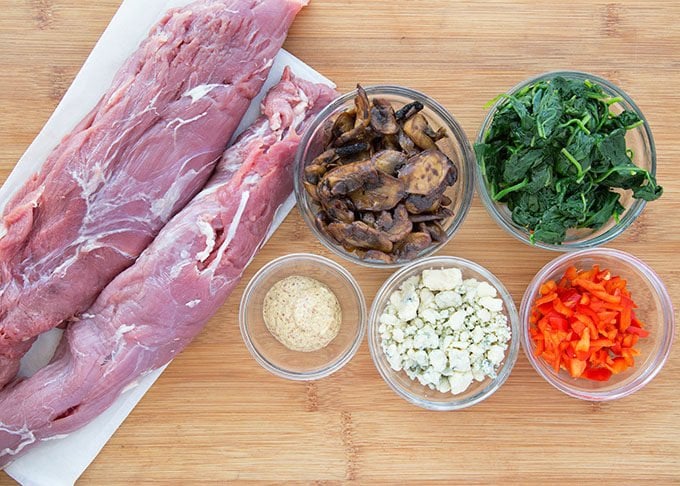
555,154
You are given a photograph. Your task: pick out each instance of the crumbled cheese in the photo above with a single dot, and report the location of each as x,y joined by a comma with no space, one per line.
445,279
443,331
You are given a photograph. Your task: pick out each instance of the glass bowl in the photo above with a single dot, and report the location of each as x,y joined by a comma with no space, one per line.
655,310
638,139
412,390
455,146
296,365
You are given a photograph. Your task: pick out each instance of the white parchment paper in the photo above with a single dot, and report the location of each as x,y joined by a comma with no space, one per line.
62,461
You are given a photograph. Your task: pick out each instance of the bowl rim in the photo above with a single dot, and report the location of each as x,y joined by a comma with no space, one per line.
335,364
513,321
519,233
668,326
468,164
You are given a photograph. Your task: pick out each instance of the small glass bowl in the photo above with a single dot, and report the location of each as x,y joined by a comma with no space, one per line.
455,146
639,139
412,390
296,365
654,309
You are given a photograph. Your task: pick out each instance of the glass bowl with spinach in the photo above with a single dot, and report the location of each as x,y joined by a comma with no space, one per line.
566,161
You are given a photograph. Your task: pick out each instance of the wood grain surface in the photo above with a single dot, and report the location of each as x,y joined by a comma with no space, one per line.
215,415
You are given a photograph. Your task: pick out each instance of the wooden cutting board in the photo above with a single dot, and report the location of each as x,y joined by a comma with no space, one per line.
215,415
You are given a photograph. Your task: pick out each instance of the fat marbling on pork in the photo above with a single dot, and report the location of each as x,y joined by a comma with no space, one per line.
152,310
138,157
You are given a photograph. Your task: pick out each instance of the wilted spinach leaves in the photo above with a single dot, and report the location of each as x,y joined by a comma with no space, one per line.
554,153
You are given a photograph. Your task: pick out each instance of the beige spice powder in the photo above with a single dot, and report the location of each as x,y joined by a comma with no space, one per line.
302,313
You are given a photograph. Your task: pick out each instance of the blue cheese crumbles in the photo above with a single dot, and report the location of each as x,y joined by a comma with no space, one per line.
444,331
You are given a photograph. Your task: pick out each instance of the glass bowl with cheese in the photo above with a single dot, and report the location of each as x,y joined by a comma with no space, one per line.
302,316
443,333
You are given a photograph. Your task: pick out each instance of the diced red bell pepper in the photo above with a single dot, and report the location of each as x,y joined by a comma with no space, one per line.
585,323
619,365
577,326
547,287
637,331
597,374
546,298
576,367
561,308
591,287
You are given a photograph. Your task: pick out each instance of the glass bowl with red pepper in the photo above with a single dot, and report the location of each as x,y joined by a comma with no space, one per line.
597,324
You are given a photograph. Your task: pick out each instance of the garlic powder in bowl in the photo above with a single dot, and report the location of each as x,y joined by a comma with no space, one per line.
302,313
316,313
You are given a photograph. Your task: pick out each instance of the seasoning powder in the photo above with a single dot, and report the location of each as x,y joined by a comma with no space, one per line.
302,313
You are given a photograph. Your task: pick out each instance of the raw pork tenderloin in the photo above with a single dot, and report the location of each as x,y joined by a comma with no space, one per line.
152,310
141,154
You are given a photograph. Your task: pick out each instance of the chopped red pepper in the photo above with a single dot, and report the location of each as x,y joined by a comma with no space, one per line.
597,374
585,324
548,287
561,308
576,367
546,299
637,331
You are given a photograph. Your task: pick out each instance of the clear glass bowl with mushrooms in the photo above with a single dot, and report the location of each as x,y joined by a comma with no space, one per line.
384,176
